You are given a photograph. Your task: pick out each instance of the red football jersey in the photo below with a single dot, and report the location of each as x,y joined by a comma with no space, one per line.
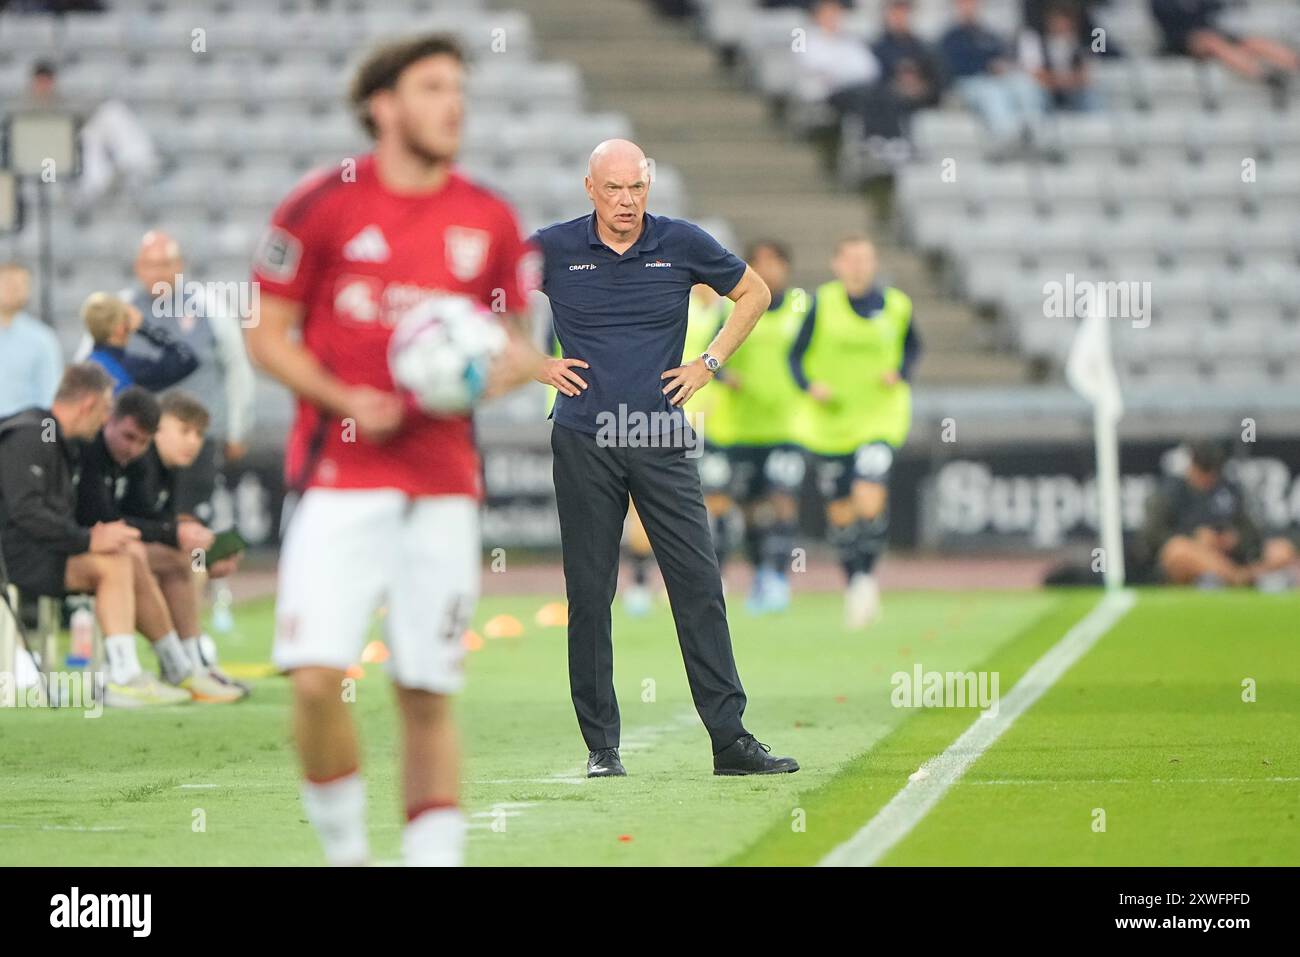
357,256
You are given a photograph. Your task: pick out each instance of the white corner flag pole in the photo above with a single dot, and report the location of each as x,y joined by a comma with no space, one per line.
1090,370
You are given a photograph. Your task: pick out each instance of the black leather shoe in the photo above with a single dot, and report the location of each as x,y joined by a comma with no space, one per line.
748,755
604,763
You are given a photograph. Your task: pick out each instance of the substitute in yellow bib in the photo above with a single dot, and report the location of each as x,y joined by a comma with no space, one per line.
854,357
750,430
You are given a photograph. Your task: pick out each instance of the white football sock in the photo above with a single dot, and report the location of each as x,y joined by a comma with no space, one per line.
123,664
191,646
435,838
175,662
337,810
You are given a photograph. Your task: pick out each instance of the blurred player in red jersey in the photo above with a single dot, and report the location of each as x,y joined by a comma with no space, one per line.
390,504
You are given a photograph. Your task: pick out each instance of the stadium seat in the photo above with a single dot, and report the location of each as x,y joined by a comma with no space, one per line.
28,36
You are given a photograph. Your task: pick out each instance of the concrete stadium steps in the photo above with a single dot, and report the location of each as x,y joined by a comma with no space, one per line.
737,165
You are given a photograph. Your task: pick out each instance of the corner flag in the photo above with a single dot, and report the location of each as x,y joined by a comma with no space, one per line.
1090,370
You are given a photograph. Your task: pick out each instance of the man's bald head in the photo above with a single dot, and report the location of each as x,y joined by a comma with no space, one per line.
158,259
617,155
618,184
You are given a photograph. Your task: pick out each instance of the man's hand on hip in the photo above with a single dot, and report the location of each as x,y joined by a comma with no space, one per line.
685,381
559,374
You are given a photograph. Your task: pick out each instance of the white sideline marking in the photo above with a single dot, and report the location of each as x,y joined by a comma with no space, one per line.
905,809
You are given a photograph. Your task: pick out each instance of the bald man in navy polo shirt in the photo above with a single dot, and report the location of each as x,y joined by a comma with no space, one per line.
618,281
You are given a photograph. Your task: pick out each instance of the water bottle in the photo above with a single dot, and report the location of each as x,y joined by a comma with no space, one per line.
223,621
83,636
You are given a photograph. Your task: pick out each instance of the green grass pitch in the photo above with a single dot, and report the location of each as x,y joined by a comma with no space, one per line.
1150,728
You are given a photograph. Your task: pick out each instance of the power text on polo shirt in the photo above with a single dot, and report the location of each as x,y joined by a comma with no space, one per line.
76,910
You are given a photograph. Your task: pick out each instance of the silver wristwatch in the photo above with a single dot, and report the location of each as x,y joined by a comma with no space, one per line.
711,363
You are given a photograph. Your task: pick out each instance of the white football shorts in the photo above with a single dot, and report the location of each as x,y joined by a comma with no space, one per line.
348,552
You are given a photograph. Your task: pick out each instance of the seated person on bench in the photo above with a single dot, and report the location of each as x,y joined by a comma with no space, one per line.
48,552
115,466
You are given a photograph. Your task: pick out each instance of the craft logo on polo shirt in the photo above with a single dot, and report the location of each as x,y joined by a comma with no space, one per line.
581,266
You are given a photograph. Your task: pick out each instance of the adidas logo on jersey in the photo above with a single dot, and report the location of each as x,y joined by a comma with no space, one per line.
367,246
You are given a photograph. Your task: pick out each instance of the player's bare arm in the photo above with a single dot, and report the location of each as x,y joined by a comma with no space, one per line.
752,297
519,362
273,344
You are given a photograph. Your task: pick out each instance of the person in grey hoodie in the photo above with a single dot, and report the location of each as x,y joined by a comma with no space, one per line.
200,317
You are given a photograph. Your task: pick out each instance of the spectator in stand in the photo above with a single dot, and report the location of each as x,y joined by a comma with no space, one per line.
30,359
910,68
836,65
1199,530
110,322
1007,99
1057,60
114,144
1190,29
1034,17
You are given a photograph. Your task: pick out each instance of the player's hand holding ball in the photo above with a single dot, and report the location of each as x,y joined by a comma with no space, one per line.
558,373
442,352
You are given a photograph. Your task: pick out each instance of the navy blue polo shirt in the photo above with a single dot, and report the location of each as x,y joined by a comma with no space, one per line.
625,316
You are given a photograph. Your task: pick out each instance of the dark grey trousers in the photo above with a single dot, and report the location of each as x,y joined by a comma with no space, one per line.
592,485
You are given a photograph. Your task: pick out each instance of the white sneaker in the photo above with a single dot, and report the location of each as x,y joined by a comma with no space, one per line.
861,602
204,688
142,691
220,677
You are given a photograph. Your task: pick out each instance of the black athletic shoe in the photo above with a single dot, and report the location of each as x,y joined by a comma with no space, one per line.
748,755
604,763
